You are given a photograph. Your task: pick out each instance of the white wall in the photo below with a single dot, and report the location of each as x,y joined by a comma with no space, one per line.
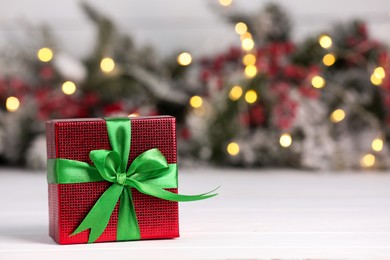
181,24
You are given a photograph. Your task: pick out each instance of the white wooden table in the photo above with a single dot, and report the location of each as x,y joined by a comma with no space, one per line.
259,214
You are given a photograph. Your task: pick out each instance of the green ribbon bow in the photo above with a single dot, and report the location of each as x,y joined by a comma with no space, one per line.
149,173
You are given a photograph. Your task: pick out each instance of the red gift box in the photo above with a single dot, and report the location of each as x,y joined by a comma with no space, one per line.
73,139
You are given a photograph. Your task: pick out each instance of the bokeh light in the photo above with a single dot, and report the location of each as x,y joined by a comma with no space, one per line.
225,2
318,82
196,101
375,80
107,65
184,59
233,148
248,44
250,71
367,161
241,28
325,41
249,59
133,115
379,72
68,87
45,54
329,59
285,140
337,116
377,144
12,104
235,93
250,96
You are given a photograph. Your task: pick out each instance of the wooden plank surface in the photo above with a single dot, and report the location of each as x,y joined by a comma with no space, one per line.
259,214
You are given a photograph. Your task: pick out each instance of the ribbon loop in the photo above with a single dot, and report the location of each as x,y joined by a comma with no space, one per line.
148,165
106,162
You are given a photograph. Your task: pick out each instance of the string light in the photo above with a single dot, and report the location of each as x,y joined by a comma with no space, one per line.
337,116
133,115
107,65
375,80
250,96
377,144
225,2
248,44
318,82
45,54
233,148
329,59
68,87
379,72
285,140
250,71
235,93
246,35
241,28
12,104
249,59
184,59
325,41
367,160
196,101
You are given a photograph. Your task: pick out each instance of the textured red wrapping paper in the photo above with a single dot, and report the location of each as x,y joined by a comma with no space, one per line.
69,203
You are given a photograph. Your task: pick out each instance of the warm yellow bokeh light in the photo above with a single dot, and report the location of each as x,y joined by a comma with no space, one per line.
247,44
250,71
133,115
329,59
367,160
196,101
325,41
107,65
337,116
250,96
235,93
377,144
68,87
184,59
375,80
318,82
225,2
12,104
285,140
45,54
249,59
233,148
379,72
241,28
245,36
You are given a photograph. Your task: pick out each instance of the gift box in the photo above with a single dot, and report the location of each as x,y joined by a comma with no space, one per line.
113,179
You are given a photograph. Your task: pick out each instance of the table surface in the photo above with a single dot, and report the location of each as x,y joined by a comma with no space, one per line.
259,214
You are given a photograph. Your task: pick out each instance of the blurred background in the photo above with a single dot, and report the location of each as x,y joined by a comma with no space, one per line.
300,84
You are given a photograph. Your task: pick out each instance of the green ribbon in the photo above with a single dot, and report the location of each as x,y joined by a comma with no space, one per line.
149,173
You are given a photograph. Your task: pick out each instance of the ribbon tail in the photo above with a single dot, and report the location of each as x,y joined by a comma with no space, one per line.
150,163
158,192
127,228
98,217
